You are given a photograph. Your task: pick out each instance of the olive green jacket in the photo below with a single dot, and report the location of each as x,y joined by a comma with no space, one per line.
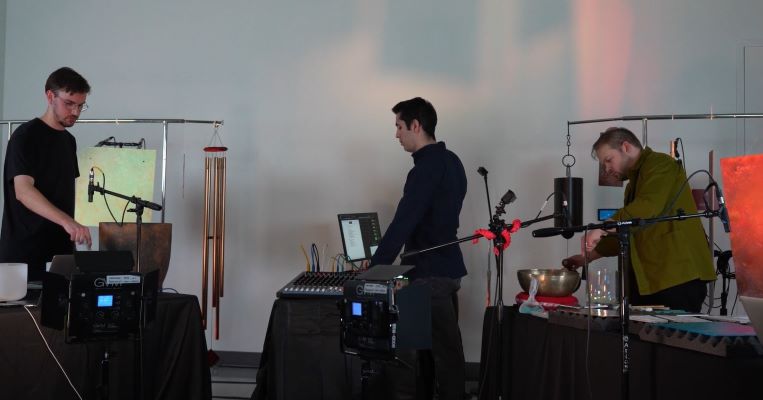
663,254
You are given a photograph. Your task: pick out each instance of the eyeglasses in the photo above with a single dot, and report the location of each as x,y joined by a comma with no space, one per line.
72,105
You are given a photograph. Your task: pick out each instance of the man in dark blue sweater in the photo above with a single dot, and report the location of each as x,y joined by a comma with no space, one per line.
427,215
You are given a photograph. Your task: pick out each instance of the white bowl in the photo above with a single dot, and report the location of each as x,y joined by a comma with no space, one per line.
12,281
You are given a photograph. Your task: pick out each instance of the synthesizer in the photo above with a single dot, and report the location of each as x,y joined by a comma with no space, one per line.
317,285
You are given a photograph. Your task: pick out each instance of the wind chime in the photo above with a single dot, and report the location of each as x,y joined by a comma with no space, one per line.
214,228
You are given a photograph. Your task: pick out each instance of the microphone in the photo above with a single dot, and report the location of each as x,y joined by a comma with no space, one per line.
90,187
674,150
153,206
723,213
567,220
509,197
548,232
482,171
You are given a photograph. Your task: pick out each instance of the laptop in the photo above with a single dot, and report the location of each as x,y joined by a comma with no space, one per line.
361,235
92,261
63,264
754,308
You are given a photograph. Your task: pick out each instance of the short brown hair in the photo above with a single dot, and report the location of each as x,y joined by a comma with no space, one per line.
68,80
420,110
614,137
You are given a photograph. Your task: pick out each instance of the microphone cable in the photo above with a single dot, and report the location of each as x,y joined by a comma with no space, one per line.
315,257
106,201
307,260
673,200
50,351
545,203
588,320
679,140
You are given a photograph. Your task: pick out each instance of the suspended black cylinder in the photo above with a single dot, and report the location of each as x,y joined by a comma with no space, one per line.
572,190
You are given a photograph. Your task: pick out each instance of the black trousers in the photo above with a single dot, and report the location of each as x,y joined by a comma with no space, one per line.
440,370
687,296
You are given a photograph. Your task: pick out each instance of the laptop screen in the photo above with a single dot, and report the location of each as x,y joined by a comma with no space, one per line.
360,235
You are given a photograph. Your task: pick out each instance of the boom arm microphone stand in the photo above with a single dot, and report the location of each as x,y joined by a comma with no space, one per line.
623,233
140,205
495,232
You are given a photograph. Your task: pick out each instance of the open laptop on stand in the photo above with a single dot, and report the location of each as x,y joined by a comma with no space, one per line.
361,235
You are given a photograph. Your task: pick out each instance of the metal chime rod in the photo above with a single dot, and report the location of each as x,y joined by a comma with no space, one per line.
213,211
205,244
222,224
215,249
218,220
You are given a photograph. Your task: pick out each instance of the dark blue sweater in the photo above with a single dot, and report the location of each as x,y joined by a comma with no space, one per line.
427,215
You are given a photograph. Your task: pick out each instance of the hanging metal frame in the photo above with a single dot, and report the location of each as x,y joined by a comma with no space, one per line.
165,122
672,117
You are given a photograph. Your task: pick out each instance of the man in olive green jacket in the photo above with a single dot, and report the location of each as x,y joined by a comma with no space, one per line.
670,261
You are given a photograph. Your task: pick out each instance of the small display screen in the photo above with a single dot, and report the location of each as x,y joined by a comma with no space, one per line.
606,213
357,309
105,300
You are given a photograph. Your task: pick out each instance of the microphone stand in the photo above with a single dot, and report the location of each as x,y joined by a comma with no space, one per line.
623,233
723,269
525,224
140,205
497,226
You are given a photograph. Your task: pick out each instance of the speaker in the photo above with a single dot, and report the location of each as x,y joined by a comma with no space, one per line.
570,189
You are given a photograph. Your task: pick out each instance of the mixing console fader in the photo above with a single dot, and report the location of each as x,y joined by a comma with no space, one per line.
317,285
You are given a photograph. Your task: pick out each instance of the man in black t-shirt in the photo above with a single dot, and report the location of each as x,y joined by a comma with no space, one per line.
38,181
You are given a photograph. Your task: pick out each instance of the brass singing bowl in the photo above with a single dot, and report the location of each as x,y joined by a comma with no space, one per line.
551,282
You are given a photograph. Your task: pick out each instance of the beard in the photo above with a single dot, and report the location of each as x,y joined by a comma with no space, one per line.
67,121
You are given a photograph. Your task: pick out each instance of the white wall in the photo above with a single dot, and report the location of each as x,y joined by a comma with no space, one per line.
2,55
305,90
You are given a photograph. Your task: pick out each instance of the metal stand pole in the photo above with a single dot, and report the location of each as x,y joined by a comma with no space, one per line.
624,263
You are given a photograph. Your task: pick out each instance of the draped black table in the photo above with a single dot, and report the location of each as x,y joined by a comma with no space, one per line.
174,347
301,356
543,360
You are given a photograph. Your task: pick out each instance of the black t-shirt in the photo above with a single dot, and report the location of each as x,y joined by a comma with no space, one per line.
50,157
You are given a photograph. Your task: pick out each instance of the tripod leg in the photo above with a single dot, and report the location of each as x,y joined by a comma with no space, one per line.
365,373
103,388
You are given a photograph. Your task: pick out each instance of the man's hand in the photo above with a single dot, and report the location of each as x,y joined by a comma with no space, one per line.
590,239
574,262
77,233
588,243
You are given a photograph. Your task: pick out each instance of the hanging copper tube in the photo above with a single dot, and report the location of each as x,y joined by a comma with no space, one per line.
219,237
214,231
204,255
222,224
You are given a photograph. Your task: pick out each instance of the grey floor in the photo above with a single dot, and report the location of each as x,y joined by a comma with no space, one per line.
233,377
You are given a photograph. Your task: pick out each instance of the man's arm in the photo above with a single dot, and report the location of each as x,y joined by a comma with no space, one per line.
32,199
588,253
